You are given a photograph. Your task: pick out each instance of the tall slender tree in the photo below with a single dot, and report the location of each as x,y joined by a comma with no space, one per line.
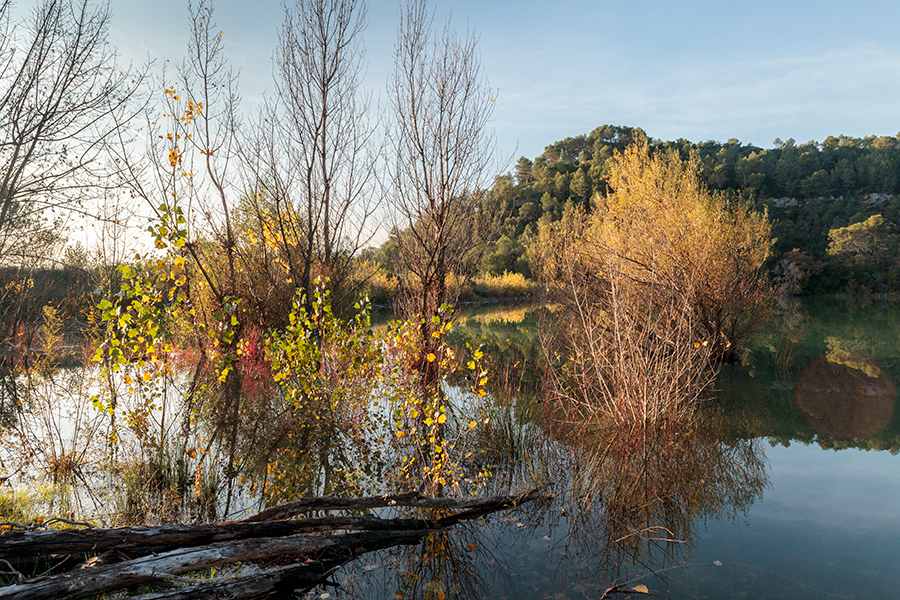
62,100
314,161
442,150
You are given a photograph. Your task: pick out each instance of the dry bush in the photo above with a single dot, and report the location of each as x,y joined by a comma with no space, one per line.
655,287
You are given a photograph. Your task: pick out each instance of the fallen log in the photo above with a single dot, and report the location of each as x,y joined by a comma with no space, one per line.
199,547
70,541
20,544
151,569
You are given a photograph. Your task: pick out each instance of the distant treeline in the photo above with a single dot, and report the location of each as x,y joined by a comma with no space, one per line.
835,208
834,204
25,292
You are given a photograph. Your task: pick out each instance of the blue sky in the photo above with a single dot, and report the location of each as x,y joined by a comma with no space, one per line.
708,70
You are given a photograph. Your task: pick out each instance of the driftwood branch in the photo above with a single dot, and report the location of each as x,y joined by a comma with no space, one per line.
151,569
410,500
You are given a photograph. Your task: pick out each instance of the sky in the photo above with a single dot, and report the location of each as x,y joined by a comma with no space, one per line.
698,70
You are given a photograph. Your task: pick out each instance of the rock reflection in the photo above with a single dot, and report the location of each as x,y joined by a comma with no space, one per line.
846,395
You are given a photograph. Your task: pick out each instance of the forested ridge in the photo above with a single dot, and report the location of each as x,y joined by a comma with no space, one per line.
833,205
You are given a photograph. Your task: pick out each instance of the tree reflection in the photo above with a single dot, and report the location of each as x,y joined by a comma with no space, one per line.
634,496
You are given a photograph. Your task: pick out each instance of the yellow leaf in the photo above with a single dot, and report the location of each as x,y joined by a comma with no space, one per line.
431,357
442,419
641,589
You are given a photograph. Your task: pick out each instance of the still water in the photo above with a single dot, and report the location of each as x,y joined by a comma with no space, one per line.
790,488
787,485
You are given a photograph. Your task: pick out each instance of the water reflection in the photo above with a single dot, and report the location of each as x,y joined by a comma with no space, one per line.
627,508
826,373
444,565
846,395
631,505
634,498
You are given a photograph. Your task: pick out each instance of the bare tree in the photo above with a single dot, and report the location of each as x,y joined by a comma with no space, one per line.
442,150
62,98
313,159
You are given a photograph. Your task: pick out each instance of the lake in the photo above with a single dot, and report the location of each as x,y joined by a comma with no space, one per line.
786,485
